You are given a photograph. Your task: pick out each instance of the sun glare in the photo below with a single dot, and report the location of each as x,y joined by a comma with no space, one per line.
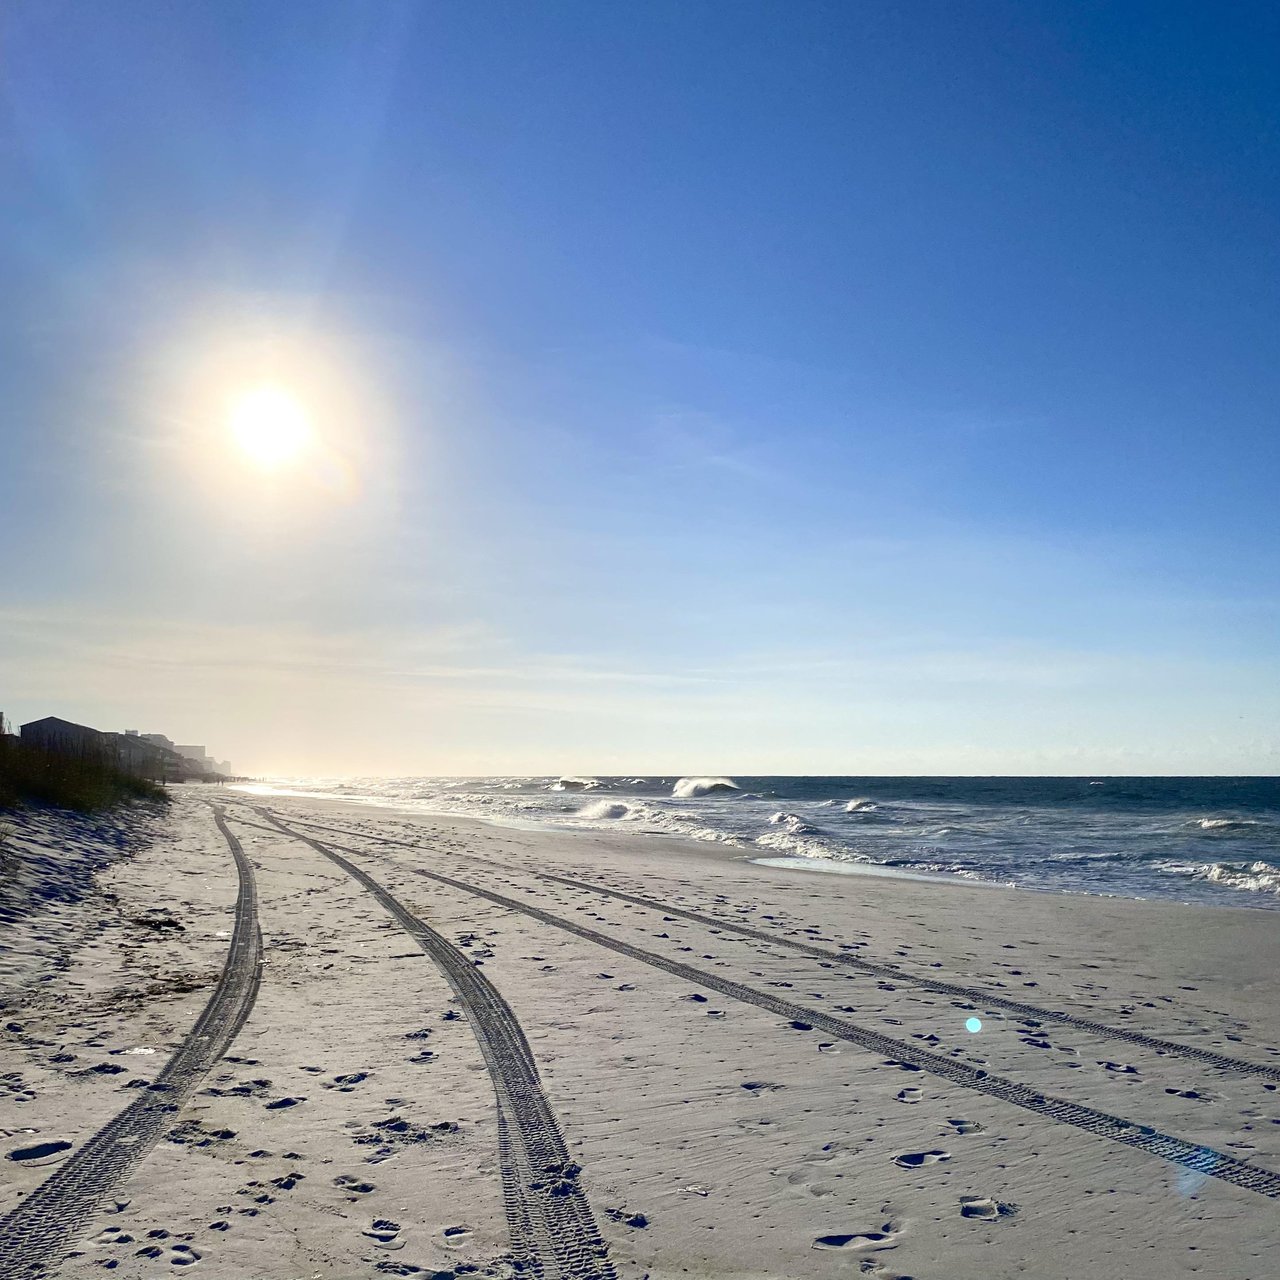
270,426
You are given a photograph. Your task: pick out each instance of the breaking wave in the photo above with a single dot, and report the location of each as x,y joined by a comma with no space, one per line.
794,823
605,809
690,788
1226,824
1203,840
1257,877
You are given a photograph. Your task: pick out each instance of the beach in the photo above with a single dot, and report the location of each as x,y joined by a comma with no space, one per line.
469,1049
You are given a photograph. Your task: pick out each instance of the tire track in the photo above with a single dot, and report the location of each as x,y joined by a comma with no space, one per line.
980,995
35,1235
553,1233
1202,1159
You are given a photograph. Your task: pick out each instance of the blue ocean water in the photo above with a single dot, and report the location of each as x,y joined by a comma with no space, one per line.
1207,840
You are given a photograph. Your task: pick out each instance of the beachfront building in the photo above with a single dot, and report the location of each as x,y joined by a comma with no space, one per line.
144,759
198,757
145,755
64,736
132,752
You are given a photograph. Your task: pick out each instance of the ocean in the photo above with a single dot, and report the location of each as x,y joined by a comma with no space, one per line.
1201,840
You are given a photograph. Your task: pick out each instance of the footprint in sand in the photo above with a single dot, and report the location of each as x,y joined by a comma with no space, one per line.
636,1221
385,1234
869,1241
918,1159
456,1237
109,1237
910,1094
986,1208
346,1083
965,1126
177,1255
40,1153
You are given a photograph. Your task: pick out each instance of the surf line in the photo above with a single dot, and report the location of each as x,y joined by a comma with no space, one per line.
1202,1159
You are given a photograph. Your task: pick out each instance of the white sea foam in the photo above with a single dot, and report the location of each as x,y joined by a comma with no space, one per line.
803,841
605,809
847,866
1199,850
689,788
1258,877
789,843
793,823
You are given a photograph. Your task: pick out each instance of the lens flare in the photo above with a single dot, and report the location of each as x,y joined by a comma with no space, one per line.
973,1025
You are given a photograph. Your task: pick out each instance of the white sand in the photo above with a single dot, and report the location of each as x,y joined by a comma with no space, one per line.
830,1142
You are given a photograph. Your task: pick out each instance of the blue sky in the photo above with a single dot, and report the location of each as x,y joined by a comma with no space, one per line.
771,388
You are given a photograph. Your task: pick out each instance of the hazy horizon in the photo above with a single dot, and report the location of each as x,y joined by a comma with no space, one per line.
484,390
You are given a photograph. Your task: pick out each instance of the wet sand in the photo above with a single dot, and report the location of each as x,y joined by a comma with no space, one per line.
776,1078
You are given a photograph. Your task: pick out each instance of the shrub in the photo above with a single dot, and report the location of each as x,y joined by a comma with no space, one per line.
68,780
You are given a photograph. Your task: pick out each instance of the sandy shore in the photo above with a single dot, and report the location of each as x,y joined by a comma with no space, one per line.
778,1082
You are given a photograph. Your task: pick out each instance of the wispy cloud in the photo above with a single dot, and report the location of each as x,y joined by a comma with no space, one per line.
465,699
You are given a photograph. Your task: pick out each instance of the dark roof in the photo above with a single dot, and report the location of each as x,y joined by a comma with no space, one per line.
55,723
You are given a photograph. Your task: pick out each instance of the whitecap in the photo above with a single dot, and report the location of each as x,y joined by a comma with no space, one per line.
1254,877
793,822
604,809
861,806
688,788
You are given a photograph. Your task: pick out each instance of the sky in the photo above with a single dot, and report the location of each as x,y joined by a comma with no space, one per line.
687,387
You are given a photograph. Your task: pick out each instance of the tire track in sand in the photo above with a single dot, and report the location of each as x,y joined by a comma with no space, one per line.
553,1233
1206,1160
978,995
34,1236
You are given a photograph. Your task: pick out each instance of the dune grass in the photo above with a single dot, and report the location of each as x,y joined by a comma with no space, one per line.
84,782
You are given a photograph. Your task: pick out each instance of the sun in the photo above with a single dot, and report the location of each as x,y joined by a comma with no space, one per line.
270,426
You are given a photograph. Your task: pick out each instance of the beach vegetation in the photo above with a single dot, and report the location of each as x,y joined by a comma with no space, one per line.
83,780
